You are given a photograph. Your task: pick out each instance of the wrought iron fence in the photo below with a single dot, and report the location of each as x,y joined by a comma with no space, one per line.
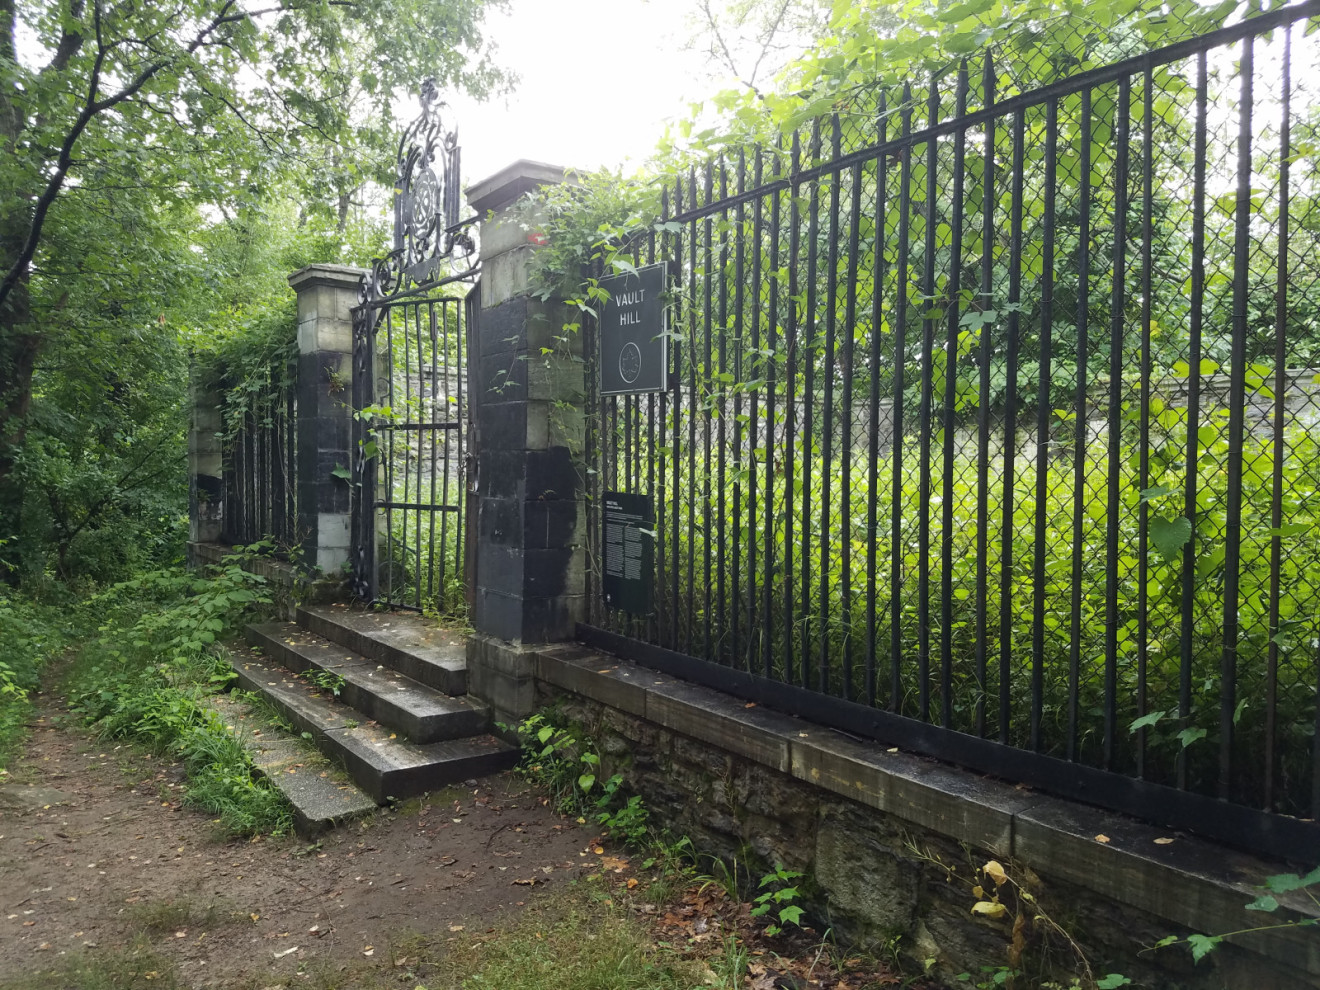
415,439
260,448
994,430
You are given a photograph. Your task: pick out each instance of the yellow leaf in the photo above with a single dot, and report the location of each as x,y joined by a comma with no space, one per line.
995,872
978,891
1102,838
991,909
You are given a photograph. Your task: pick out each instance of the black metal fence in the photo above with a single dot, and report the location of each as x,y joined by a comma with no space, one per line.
259,440
994,432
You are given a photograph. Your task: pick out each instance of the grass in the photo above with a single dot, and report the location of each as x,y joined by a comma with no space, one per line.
164,917
132,968
578,940
146,674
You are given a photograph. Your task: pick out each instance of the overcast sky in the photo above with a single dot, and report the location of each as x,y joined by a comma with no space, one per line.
598,80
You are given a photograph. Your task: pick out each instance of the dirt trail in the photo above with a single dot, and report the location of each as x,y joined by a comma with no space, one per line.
96,850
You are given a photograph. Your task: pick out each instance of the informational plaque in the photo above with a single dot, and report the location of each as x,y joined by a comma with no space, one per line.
629,526
634,338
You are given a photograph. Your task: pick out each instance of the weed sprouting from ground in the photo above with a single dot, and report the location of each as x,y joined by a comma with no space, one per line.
145,675
116,969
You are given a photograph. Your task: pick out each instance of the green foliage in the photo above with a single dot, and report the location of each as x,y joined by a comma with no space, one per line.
146,673
30,634
123,245
1307,886
778,900
326,680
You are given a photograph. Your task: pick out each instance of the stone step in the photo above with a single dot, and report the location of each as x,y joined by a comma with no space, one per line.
407,643
382,765
321,793
420,713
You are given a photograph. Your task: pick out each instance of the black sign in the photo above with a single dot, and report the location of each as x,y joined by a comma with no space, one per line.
629,528
634,338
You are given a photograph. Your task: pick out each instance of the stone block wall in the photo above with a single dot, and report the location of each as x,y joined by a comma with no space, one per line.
890,842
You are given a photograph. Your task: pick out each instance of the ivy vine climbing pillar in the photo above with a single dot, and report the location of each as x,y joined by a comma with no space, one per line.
527,393
326,296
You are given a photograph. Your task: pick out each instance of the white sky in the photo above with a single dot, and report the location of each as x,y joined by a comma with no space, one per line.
598,80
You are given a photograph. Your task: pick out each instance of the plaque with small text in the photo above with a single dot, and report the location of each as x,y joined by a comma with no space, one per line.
628,525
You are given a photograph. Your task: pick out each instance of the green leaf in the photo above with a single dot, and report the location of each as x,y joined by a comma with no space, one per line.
1150,494
342,472
791,914
1146,721
586,781
1189,736
1201,945
1265,902
1111,981
1281,883
1169,536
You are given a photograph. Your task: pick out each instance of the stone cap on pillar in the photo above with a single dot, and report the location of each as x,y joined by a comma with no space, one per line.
335,276
510,182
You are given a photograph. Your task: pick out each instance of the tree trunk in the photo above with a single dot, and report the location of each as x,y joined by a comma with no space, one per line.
19,344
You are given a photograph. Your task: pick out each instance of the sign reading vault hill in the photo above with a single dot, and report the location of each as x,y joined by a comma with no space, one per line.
634,340
628,525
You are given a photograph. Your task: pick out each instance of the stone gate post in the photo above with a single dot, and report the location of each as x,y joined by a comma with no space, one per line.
206,493
326,295
527,392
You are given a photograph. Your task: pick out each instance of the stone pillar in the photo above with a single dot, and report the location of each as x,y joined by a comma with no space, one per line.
206,493
527,391
326,296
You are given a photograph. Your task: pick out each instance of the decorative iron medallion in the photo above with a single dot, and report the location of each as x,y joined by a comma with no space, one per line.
428,233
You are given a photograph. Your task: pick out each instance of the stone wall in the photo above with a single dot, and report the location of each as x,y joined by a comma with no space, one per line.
891,841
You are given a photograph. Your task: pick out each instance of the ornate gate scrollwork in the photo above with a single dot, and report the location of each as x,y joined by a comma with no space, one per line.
432,247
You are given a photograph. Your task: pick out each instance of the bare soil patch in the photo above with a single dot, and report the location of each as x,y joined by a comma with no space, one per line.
97,851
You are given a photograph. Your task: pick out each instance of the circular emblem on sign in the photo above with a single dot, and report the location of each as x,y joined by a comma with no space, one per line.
425,199
630,362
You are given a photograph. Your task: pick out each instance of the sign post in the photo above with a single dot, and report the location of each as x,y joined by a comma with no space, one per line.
634,333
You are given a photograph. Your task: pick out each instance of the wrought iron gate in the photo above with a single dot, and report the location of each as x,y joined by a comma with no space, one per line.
410,384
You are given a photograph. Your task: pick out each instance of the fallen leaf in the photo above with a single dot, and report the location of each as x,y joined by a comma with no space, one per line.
289,951
369,951
455,928
1163,841
1102,838
632,882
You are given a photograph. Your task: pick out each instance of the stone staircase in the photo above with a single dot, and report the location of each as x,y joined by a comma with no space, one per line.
401,723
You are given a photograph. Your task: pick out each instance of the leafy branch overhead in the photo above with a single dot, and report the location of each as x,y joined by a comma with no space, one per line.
165,167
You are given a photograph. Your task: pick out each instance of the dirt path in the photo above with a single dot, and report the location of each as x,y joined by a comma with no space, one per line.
96,850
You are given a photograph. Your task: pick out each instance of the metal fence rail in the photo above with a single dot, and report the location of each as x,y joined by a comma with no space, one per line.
259,443
412,431
995,436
